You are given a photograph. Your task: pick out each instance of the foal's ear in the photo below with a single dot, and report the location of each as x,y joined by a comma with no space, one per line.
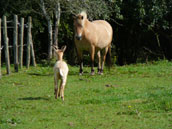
63,48
55,48
74,16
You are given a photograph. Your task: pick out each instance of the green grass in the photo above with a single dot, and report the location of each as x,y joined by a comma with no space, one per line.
128,97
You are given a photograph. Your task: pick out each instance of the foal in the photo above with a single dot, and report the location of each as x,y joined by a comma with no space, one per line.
60,72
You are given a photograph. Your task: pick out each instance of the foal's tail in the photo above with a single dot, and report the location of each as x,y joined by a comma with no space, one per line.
108,58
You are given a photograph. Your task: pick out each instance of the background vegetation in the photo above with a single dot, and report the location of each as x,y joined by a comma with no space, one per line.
142,29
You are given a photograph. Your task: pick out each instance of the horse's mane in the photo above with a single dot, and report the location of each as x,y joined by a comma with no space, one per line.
84,14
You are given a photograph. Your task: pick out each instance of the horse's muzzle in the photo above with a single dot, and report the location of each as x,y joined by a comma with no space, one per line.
78,37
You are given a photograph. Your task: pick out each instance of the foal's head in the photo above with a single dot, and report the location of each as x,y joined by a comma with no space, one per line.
59,52
79,24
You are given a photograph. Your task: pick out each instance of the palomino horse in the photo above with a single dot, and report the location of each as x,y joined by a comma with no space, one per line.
94,37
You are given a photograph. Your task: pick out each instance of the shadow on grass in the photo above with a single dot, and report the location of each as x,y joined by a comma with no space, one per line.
77,72
38,74
101,101
33,98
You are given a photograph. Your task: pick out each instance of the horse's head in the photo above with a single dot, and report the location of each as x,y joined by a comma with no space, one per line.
79,23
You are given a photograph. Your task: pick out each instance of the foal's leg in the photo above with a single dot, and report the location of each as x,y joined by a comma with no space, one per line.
62,86
99,62
55,84
92,59
104,58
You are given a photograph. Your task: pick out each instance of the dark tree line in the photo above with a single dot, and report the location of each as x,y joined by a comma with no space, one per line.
142,29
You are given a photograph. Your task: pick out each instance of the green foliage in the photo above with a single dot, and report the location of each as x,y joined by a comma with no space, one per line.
142,29
95,9
131,96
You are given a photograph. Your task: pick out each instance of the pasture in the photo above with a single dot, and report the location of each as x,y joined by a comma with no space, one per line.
135,96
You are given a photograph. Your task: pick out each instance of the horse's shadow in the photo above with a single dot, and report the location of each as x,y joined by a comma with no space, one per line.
39,74
33,98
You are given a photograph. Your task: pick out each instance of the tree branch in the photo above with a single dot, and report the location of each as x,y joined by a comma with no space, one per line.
44,10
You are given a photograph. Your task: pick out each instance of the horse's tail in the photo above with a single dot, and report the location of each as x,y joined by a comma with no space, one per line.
108,58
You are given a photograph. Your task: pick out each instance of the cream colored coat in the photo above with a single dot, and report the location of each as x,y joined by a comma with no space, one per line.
60,73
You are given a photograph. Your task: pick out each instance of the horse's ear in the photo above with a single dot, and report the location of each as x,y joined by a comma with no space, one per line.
63,48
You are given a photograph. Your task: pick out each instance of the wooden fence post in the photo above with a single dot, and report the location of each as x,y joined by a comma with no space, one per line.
15,43
0,49
21,42
32,52
6,41
28,42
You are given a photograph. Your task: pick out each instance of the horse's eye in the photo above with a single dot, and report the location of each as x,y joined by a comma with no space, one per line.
82,17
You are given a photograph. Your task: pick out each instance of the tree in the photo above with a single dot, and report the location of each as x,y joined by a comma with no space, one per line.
143,30
52,11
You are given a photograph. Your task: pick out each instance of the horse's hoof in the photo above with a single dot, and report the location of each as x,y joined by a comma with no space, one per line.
62,98
92,73
80,74
100,73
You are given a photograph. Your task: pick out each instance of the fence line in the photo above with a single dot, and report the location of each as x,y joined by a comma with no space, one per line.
18,45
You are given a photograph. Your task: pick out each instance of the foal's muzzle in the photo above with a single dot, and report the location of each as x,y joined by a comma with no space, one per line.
78,37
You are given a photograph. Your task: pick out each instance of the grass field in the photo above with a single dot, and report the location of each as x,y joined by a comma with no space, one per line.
126,97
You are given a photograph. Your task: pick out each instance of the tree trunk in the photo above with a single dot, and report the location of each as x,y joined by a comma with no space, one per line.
50,35
49,29
57,21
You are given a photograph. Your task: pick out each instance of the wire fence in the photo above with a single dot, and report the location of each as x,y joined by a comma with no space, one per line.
18,45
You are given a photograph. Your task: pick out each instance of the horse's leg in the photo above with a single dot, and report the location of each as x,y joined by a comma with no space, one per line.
92,59
99,62
81,67
80,57
104,58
